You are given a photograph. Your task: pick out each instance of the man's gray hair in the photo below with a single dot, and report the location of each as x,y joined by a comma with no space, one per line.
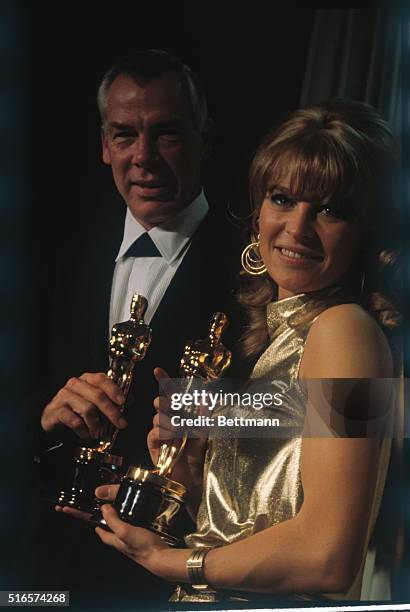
146,66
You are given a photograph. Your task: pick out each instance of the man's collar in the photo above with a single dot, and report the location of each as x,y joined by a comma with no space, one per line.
170,237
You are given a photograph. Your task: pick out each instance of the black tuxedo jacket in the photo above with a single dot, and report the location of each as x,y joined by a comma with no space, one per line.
63,553
202,285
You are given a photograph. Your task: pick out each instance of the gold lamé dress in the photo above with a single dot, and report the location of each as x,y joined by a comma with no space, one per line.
251,484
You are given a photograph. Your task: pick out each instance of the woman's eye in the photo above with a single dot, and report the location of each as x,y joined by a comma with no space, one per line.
281,200
329,211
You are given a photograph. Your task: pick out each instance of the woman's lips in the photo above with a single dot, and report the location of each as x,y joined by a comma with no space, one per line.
297,258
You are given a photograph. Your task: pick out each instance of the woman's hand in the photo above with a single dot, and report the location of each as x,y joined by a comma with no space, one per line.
189,467
107,493
140,545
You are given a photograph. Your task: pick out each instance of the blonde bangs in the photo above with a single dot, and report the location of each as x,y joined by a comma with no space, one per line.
315,169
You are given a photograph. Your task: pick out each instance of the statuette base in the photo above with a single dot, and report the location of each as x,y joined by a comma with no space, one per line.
91,469
146,499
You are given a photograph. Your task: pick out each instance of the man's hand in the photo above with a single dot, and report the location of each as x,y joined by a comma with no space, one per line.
84,405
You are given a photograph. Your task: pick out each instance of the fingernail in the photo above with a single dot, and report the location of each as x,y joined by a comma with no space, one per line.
102,493
122,423
120,398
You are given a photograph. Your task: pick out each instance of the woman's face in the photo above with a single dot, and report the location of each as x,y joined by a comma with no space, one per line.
306,246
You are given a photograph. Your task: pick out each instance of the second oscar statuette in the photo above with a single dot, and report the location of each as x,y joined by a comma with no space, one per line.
150,498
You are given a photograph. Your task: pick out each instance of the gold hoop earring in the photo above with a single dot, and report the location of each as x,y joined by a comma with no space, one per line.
251,260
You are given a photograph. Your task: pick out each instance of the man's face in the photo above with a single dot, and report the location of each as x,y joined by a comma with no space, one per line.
155,151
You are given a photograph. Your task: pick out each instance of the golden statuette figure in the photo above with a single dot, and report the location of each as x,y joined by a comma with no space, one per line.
206,359
129,343
93,466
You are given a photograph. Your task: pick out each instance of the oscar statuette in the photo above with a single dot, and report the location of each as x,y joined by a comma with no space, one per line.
150,498
94,464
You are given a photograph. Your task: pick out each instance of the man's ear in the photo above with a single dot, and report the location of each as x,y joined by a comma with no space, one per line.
208,139
105,149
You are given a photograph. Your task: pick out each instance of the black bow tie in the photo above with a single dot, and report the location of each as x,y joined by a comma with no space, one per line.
143,247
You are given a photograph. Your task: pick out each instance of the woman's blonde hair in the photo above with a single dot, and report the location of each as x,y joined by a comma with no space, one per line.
342,151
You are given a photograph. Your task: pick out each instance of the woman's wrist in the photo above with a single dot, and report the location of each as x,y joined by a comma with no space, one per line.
173,565
170,564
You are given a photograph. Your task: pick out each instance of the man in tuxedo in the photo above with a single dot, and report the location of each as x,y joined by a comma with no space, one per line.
175,252
155,134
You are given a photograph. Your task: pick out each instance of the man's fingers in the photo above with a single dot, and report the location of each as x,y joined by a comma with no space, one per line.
108,492
103,382
65,416
84,409
96,397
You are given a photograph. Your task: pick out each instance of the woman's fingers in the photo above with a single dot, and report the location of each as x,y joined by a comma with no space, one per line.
78,514
111,539
163,423
107,492
162,403
117,526
135,542
161,374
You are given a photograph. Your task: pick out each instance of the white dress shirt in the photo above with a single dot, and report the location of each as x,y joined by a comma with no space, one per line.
151,276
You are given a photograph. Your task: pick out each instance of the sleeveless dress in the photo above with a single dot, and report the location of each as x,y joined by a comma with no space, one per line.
252,483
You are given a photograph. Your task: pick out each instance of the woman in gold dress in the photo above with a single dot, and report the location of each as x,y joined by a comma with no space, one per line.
295,514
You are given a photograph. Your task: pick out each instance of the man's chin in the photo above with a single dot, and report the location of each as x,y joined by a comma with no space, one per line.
161,193
151,212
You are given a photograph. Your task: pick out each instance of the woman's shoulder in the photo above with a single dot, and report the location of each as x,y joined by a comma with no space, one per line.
345,341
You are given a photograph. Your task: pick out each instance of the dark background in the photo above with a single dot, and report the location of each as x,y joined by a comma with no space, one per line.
251,58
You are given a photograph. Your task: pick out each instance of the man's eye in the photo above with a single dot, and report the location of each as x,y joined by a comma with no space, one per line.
121,136
281,200
170,136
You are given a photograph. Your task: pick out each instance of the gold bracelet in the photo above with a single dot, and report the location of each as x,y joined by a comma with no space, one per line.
195,569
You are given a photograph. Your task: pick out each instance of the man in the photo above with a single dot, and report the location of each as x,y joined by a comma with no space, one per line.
155,135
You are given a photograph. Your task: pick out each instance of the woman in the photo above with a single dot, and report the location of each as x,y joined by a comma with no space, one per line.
295,514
